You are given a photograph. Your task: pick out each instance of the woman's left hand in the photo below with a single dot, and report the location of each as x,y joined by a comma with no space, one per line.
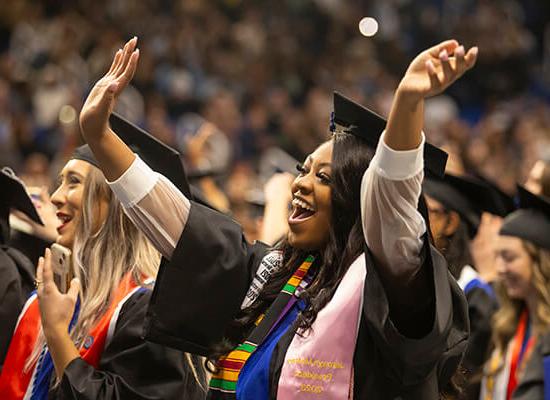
56,308
436,68
94,116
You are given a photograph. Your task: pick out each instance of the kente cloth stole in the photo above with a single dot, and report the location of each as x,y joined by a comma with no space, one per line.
16,383
230,366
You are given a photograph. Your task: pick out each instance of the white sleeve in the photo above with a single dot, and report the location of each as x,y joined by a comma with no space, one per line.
154,204
390,191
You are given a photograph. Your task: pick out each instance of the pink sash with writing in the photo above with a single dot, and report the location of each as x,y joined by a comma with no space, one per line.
319,364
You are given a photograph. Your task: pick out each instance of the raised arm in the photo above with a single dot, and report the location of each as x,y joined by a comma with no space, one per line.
153,203
429,74
391,186
113,155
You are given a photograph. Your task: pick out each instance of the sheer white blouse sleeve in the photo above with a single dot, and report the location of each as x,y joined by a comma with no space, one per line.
153,204
390,192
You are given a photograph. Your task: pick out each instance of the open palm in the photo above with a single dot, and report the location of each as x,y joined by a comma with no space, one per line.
100,102
435,69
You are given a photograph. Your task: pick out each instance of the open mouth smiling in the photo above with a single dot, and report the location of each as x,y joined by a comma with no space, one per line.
64,219
302,211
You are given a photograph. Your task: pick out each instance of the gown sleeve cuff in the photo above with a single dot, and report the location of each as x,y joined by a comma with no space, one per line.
76,374
398,164
135,183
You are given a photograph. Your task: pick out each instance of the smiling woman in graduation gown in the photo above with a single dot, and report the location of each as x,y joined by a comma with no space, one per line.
93,348
392,322
519,367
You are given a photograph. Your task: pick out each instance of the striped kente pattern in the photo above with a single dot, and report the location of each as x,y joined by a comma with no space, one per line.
230,366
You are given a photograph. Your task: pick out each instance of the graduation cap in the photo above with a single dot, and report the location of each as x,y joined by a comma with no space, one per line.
500,203
531,221
159,156
366,124
14,195
84,153
468,197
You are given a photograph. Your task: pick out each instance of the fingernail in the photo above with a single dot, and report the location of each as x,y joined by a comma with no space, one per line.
430,66
459,51
444,56
474,51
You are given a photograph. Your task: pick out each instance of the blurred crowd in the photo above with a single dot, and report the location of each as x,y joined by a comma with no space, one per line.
262,73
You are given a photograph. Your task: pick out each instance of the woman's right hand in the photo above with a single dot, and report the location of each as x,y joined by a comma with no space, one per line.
277,199
278,189
483,247
94,117
436,68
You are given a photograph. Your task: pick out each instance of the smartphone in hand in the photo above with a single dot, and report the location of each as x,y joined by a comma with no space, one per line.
62,267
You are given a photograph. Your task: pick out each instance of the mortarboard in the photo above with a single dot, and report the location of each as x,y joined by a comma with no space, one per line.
160,157
366,124
531,221
84,153
466,196
500,203
14,195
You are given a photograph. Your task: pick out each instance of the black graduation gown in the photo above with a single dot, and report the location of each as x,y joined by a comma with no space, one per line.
16,284
481,307
531,383
132,368
200,290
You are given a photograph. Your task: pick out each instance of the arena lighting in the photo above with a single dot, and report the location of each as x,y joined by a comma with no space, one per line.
368,26
67,114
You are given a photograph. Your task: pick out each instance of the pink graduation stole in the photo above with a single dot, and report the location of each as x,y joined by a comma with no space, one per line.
319,363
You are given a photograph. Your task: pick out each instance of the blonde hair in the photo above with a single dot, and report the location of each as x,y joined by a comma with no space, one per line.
102,257
506,319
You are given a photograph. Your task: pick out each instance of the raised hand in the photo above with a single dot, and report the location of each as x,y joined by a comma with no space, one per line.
196,145
278,194
277,188
483,246
435,69
430,73
94,117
